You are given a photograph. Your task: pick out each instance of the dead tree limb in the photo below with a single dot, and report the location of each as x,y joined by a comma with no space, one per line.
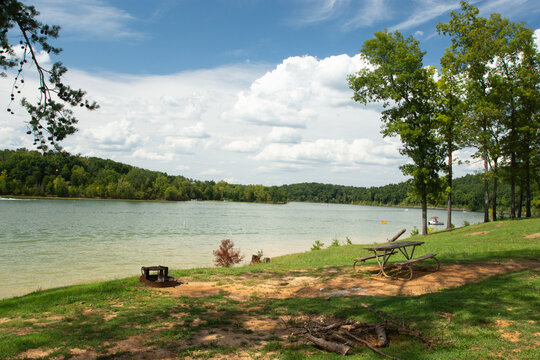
356,338
328,345
392,323
381,336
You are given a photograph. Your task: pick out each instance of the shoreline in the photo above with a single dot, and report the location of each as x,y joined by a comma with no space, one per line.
30,197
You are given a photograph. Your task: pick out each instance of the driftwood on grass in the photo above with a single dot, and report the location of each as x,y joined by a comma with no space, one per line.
342,336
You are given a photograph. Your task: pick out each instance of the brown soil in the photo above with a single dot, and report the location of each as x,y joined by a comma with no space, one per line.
508,335
346,283
36,353
478,233
532,236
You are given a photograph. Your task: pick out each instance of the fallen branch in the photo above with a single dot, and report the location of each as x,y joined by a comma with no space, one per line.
371,347
401,327
341,336
327,345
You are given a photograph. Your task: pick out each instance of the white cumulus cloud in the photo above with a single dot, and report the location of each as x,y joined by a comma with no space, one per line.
290,94
195,131
284,135
244,146
332,151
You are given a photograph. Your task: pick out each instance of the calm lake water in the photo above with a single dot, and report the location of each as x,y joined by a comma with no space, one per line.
49,243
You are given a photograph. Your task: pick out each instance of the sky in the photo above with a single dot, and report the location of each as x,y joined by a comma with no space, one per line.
246,91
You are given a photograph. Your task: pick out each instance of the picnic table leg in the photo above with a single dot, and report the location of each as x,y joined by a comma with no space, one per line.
410,271
409,266
385,257
379,262
438,264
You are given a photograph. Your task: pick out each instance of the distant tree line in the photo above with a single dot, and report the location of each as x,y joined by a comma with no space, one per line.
60,174
32,173
467,194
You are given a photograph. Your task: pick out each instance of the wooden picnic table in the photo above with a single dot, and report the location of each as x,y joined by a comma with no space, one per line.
383,252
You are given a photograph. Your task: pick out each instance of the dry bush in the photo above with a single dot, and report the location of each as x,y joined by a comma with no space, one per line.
227,255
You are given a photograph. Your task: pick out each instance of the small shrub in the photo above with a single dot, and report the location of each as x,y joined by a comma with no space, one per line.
334,243
317,245
347,241
260,254
415,231
227,255
466,223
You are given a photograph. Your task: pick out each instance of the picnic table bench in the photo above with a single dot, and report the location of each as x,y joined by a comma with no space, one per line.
383,253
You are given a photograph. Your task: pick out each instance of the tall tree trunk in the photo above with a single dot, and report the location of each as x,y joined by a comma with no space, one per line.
449,211
513,185
527,188
520,201
494,206
424,212
486,188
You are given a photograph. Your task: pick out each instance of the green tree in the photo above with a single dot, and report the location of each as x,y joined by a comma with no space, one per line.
4,189
450,124
470,54
408,92
79,176
50,120
499,65
171,193
159,186
60,187
515,78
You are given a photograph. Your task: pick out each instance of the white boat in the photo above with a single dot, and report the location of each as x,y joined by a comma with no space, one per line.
434,220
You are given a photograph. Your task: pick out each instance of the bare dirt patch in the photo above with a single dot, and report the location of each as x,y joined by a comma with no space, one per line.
478,233
82,354
510,336
108,317
36,353
4,320
347,283
533,236
23,331
135,347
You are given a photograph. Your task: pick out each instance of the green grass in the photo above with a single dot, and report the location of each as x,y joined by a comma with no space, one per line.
480,317
505,240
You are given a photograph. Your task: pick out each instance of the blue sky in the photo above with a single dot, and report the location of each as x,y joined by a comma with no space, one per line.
242,90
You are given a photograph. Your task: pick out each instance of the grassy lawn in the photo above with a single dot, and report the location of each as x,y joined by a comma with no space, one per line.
496,318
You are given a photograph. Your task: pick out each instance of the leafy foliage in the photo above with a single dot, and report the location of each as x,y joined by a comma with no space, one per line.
227,255
496,68
317,245
408,91
50,120
31,173
334,243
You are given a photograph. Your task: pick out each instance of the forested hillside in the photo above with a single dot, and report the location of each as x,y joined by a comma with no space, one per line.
24,172
32,173
468,194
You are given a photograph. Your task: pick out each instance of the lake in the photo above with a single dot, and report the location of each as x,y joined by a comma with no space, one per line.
48,243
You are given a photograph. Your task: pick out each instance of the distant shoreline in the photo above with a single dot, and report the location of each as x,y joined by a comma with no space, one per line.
218,201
